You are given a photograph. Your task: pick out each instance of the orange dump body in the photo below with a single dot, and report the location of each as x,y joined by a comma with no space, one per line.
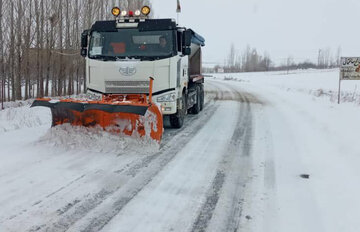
130,114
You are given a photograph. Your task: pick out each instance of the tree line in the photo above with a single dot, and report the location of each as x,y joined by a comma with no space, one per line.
250,60
40,44
247,61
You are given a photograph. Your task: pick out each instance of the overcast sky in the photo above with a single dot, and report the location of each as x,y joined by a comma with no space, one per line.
280,27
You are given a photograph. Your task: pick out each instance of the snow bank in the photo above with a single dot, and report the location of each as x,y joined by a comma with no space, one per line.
69,137
18,115
17,104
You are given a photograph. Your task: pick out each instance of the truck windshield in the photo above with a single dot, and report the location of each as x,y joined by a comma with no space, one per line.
131,43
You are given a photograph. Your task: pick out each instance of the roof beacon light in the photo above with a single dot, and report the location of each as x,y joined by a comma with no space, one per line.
145,10
116,11
131,13
137,13
123,13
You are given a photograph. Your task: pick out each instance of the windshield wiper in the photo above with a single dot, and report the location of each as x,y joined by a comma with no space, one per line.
104,58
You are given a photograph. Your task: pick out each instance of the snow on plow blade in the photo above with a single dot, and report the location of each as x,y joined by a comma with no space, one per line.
128,114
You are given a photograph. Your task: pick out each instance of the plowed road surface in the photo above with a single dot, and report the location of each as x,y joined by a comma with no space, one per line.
194,182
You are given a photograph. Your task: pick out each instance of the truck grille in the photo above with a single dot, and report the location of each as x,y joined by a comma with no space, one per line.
127,86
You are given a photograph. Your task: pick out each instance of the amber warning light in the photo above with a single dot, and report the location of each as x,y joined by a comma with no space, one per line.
116,11
145,10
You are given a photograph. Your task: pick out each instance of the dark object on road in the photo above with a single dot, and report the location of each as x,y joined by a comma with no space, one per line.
305,176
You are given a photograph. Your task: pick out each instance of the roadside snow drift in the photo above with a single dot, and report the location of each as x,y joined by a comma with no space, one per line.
95,139
20,115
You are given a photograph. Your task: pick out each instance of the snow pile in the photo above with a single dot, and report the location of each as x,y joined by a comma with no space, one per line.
317,83
18,115
13,104
345,96
95,140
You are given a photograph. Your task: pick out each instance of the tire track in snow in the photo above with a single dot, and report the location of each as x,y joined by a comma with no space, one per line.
240,137
67,185
243,160
209,108
167,153
211,97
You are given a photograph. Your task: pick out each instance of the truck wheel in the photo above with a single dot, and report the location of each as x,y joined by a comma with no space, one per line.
202,97
177,120
197,107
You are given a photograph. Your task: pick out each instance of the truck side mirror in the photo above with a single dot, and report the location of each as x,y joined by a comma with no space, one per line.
187,38
84,39
186,51
179,36
83,52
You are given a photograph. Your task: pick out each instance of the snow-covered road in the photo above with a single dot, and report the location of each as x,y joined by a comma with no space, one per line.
53,181
234,167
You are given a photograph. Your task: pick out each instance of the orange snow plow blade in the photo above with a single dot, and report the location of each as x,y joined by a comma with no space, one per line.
130,114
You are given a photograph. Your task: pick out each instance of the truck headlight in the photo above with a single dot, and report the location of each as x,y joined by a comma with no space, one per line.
171,97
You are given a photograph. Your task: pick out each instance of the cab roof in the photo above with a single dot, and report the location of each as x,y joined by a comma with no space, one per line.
146,25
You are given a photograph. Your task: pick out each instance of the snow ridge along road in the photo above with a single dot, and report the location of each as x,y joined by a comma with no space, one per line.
193,183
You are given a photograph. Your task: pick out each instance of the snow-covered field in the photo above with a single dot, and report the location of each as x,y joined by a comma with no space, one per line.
319,83
270,152
302,130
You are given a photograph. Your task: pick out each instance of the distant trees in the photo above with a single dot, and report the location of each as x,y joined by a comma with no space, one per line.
231,58
251,61
338,56
40,43
247,61
326,60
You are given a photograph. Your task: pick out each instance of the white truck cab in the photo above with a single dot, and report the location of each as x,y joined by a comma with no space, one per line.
122,54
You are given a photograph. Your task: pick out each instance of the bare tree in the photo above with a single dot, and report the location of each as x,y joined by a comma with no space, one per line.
2,70
231,58
289,62
12,52
338,56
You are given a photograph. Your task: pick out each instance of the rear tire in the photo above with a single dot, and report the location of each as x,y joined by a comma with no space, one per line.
197,107
177,120
202,97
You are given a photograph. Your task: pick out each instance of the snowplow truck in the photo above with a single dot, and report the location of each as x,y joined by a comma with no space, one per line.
138,70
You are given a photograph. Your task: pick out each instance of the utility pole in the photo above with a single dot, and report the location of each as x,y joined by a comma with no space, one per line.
178,11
